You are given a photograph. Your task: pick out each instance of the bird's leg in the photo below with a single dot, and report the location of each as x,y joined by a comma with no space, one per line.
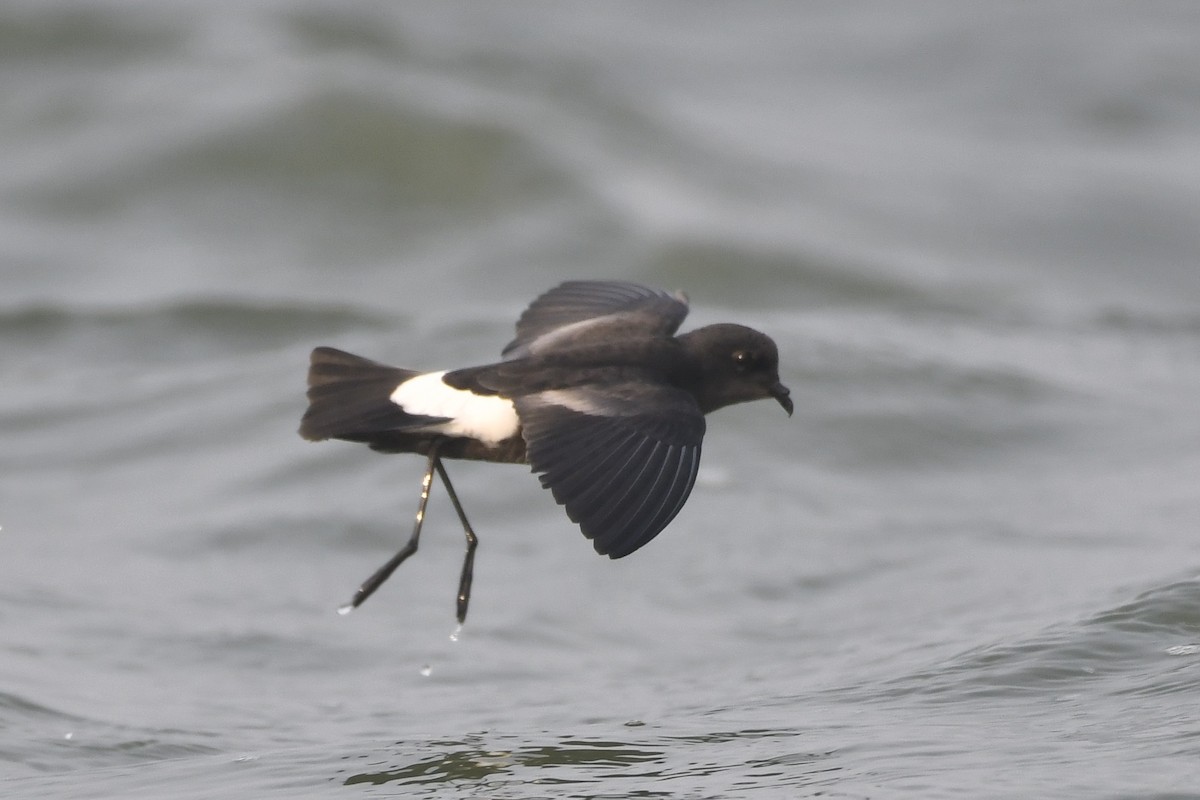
468,568
383,573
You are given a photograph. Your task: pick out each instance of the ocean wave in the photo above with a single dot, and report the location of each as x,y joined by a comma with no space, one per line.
48,740
1149,645
167,328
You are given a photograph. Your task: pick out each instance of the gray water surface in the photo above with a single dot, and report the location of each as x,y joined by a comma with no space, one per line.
967,567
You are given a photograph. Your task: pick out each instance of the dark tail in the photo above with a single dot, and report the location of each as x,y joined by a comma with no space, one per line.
349,397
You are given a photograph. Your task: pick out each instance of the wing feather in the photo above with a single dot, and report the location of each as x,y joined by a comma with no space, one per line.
635,517
581,311
672,501
621,458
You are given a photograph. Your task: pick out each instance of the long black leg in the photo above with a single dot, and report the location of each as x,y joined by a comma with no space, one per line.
468,567
383,573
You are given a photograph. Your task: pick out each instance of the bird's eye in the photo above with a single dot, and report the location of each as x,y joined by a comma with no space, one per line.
743,360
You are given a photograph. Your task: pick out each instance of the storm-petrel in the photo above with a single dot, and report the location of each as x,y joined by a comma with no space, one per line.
596,394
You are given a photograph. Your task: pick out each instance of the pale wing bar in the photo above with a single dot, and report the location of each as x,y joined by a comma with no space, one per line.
621,476
584,309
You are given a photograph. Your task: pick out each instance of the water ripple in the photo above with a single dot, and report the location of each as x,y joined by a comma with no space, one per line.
1143,646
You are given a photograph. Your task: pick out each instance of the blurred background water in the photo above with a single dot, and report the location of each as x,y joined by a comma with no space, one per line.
967,567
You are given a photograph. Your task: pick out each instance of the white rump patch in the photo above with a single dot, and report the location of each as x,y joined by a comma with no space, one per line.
488,418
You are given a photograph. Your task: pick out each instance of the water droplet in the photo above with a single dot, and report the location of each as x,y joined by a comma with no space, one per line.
456,633
346,609
426,671
69,735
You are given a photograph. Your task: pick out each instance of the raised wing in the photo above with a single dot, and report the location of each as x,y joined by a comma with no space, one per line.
576,311
621,458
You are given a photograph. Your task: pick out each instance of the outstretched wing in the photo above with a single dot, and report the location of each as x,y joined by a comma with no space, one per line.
621,458
578,311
